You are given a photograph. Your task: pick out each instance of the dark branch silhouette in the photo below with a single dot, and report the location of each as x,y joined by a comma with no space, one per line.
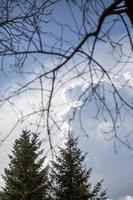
35,33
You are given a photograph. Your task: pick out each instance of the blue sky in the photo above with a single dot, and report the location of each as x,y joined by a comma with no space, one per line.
115,168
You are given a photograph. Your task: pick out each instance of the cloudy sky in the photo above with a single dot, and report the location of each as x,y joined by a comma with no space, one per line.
112,163
115,168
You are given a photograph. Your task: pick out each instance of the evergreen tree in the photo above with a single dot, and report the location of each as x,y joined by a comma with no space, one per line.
69,177
25,178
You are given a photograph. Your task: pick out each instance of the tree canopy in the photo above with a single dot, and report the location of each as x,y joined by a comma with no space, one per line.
70,178
26,178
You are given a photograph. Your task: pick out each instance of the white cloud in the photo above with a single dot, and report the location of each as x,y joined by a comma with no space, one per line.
129,79
127,197
72,93
105,127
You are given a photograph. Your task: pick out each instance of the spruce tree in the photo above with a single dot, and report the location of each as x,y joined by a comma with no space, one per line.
69,176
25,178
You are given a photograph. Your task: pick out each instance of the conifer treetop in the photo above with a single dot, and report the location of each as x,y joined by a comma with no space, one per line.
71,179
26,178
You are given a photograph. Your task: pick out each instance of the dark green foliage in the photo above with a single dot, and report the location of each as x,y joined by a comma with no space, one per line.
70,179
25,179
